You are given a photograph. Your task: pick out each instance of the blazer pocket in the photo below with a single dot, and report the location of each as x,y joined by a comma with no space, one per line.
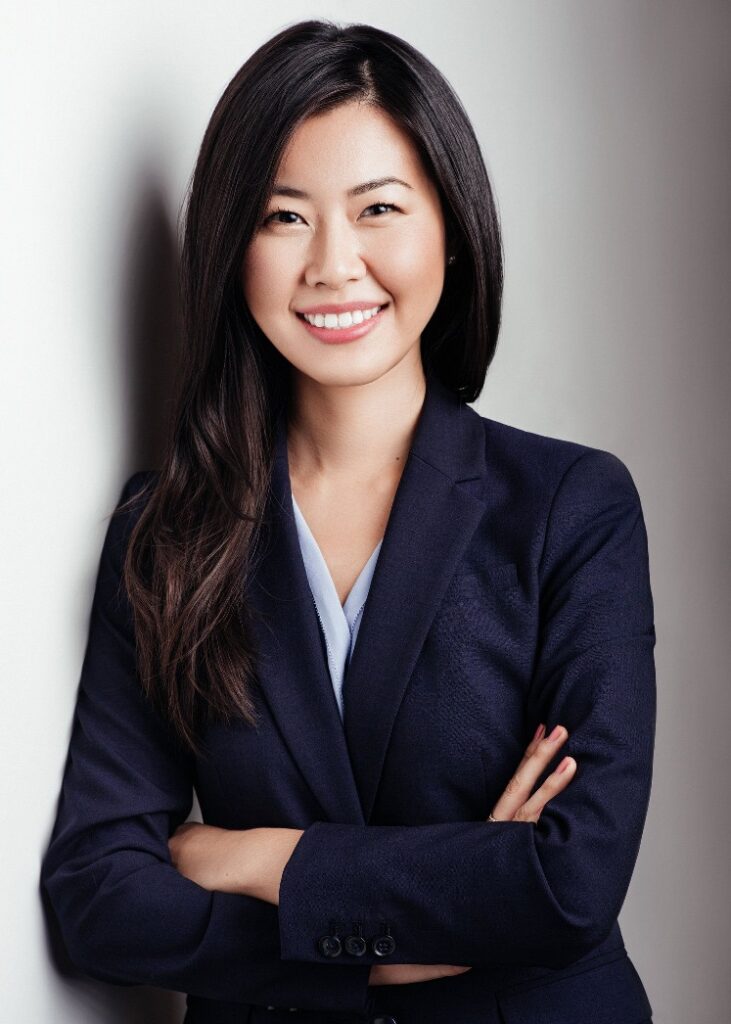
492,577
603,994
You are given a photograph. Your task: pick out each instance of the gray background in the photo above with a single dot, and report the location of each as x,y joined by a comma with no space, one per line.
605,128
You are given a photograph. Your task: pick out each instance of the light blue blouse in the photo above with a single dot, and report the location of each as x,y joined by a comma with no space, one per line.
339,622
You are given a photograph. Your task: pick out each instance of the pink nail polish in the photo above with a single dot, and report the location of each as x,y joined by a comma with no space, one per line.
564,765
556,733
539,732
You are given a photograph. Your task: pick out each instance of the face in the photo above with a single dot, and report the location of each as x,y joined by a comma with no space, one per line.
343,240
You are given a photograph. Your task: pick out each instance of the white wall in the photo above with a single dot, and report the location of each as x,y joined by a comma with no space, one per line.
605,128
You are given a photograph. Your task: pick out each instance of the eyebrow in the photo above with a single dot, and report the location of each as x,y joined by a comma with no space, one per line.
358,190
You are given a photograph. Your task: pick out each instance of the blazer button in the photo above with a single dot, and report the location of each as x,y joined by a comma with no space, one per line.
356,944
383,1020
330,945
384,945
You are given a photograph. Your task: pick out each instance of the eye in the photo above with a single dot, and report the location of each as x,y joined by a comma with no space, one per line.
276,213
386,206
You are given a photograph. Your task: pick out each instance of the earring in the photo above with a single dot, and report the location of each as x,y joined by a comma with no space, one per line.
451,259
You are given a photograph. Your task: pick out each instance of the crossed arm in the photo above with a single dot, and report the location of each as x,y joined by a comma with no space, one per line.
251,862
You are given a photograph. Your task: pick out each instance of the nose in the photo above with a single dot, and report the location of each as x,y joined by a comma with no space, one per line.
334,257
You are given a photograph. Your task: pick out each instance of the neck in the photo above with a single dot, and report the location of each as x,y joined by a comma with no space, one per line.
353,431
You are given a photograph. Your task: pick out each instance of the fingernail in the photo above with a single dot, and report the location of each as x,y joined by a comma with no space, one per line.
539,732
556,733
564,765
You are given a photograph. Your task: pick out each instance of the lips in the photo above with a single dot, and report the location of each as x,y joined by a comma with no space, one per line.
336,335
324,310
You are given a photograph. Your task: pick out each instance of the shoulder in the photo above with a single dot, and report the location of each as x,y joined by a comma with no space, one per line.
135,493
139,485
546,464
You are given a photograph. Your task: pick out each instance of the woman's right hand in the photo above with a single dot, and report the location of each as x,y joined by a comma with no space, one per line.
517,803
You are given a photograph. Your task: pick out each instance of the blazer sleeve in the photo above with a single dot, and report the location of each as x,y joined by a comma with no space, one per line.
125,913
506,893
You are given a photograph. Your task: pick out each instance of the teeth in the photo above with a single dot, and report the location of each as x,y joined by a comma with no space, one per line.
335,320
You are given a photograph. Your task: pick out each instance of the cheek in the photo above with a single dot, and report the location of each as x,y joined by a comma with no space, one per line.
263,280
416,270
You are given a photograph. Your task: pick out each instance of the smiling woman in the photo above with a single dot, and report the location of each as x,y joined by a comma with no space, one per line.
390,811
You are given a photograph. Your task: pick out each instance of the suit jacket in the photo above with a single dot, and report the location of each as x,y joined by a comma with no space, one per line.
512,588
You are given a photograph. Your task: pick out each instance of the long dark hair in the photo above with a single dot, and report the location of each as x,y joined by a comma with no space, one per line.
194,545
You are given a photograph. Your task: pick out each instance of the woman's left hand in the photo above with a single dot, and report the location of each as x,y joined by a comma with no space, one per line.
518,802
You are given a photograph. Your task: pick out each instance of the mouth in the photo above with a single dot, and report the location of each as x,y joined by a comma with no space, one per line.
340,332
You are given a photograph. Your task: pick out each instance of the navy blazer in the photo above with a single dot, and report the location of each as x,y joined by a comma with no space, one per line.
512,588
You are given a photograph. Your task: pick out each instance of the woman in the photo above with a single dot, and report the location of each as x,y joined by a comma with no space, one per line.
342,277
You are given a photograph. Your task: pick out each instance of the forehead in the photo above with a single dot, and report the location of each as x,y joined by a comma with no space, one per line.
353,143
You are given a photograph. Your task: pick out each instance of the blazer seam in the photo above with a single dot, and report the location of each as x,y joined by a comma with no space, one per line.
607,642
432,466
551,506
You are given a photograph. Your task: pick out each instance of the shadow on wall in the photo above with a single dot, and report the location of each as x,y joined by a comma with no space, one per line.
150,323
149,340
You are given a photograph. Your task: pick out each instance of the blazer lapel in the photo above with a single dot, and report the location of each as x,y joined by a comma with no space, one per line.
432,521
433,517
292,669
